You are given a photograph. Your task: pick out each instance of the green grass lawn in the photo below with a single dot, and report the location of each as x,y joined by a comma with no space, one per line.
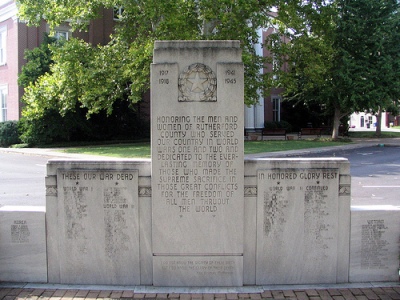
252,147
132,150
142,150
371,134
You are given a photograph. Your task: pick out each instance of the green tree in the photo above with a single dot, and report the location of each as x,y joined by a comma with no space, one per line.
49,126
342,54
55,123
303,50
94,77
368,58
38,62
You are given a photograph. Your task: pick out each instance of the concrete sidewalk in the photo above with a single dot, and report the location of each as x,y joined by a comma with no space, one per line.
365,291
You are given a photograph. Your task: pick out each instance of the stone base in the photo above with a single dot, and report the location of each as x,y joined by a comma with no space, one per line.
23,244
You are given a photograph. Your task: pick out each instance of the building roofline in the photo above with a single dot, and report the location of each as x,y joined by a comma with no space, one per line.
9,11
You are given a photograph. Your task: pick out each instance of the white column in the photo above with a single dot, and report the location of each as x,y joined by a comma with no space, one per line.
259,108
259,114
254,115
249,117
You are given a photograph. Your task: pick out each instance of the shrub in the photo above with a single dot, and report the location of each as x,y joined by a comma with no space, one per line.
53,128
270,125
43,130
281,124
286,125
9,133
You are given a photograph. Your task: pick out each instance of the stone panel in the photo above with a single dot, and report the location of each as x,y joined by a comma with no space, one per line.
297,225
23,244
344,228
375,243
250,230
197,158
98,226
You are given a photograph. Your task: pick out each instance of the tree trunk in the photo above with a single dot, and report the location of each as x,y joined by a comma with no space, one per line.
336,123
378,122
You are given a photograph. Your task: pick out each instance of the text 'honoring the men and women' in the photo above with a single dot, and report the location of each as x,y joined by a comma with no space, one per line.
197,156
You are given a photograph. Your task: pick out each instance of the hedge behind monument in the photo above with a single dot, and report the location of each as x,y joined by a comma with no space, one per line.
8,133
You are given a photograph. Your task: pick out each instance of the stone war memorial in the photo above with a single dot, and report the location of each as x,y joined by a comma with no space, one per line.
198,214
197,158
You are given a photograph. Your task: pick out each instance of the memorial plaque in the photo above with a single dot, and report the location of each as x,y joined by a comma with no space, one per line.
198,270
197,149
375,243
297,222
23,244
98,227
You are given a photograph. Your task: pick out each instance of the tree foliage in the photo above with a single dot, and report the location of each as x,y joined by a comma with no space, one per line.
94,77
342,54
47,121
38,62
303,48
368,43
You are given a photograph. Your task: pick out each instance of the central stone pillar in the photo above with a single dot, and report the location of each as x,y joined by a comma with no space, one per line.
197,163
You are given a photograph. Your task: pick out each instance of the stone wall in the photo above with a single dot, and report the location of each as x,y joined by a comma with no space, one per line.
296,212
375,243
23,244
296,228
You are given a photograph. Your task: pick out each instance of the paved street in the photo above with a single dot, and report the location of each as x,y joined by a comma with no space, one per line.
22,179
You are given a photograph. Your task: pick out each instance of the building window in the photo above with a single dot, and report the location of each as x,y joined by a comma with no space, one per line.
3,100
61,35
118,11
275,67
3,45
276,109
